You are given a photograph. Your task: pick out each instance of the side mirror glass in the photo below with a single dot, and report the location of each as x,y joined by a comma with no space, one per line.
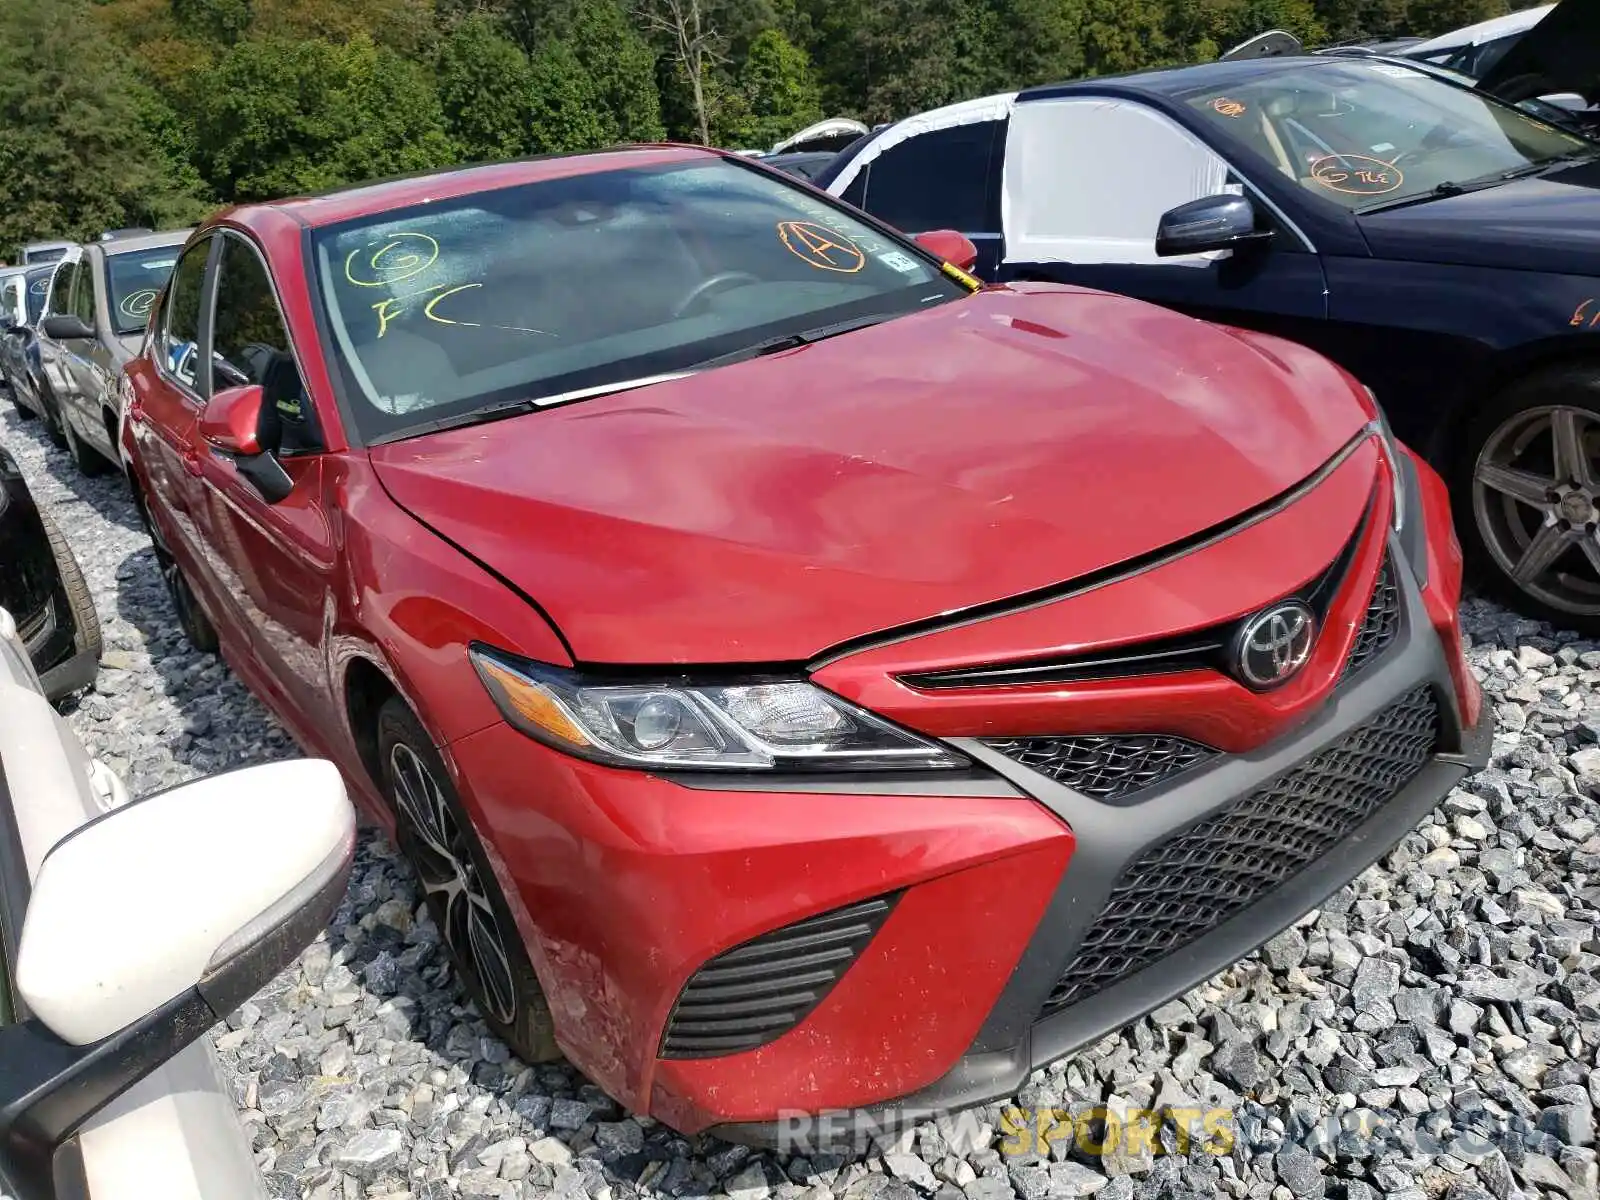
955,248
65,327
217,884
231,420
1223,222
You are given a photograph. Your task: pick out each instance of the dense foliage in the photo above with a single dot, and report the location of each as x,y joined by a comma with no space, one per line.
149,112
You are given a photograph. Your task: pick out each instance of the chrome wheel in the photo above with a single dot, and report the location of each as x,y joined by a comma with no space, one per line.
449,873
1536,501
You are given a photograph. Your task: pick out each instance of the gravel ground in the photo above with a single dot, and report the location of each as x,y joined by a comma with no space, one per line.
1430,1032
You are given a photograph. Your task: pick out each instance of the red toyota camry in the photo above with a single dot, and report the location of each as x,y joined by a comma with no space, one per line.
802,679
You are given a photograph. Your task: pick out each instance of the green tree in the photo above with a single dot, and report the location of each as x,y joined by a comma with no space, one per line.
1123,35
777,85
565,103
620,65
76,154
403,25
1035,41
1201,29
224,21
1440,16
485,88
284,117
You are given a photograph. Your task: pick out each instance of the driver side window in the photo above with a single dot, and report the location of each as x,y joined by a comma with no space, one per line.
181,337
83,295
60,299
250,345
1087,180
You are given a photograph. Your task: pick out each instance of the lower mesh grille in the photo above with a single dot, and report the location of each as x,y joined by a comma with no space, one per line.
747,996
1105,767
1181,889
1379,626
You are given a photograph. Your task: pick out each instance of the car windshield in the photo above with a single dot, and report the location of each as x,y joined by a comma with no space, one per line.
1363,133
591,282
136,278
38,290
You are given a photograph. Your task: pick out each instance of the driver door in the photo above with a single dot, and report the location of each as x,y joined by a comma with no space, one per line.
1087,179
270,563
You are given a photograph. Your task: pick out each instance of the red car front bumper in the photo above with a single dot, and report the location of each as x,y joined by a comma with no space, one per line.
1021,918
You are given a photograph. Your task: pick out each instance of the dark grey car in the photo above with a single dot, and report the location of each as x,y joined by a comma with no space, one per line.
22,296
94,321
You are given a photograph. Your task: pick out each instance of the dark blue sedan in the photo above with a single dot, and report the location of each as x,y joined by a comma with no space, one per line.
1441,244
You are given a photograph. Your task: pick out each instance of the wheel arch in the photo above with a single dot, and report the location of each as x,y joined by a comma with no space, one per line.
1500,372
367,687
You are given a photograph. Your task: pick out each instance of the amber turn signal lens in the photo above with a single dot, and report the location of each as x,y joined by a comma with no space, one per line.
532,703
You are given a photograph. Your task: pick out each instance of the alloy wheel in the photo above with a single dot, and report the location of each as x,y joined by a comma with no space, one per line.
1536,501
450,878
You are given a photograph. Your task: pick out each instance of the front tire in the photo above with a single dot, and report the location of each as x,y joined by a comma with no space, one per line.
50,409
1529,482
196,626
459,887
88,460
85,618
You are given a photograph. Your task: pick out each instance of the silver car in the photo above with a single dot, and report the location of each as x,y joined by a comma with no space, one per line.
94,321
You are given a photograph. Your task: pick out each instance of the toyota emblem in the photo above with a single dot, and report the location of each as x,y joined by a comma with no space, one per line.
1274,644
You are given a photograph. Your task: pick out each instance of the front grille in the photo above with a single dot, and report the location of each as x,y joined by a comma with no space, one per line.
1380,626
1181,889
1107,767
1198,650
748,996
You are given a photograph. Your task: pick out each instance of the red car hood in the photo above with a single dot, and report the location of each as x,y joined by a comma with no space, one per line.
764,511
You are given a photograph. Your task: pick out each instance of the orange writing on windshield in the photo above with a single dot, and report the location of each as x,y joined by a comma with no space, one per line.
820,247
1356,174
1228,108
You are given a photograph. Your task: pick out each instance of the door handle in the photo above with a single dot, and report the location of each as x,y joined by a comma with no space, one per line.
191,459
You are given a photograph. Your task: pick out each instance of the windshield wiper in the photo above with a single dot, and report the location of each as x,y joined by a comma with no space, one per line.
473,416
1554,162
501,409
1451,187
789,341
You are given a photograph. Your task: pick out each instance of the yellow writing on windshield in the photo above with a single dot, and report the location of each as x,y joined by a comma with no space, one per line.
391,307
402,256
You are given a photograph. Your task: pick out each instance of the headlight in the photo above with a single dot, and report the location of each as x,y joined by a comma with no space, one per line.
1392,451
755,726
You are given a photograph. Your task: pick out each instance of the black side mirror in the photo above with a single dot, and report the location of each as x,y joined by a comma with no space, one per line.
1223,222
66,327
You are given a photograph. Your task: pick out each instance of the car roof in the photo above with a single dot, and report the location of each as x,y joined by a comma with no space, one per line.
366,199
143,241
1177,81
1483,31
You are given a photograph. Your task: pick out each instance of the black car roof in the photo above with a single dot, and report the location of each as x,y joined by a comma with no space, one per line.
1178,81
